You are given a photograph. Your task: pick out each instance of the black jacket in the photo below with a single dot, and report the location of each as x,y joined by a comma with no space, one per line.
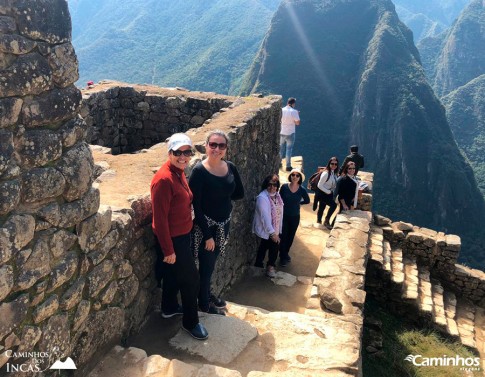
355,157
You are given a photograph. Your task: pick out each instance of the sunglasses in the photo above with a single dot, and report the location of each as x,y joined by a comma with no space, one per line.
295,175
350,168
187,153
333,163
277,184
213,145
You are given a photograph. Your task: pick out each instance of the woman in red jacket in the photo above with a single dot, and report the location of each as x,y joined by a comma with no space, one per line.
172,224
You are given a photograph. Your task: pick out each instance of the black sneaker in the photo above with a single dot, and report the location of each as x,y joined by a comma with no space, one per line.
198,332
217,302
213,310
283,262
169,314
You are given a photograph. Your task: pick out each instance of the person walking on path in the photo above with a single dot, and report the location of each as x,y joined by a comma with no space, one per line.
290,118
293,196
355,157
172,224
327,184
347,188
268,223
215,183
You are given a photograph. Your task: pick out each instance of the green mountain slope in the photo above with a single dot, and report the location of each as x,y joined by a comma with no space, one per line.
355,72
462,54
465,109
199,45
427,18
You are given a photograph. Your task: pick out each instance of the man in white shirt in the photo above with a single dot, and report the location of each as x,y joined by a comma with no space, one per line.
289,119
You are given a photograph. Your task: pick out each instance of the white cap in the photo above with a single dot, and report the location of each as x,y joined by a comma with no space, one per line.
178,140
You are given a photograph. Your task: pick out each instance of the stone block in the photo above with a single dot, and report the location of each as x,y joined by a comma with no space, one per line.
63,271
60,242
11,341
73,213
73,131
103,247
81,315
6,149
73,295
414,237
6,281
453,242
109,293
146,264
50,213
99,277
45,20
36,267
142,208
30,336
51,107
9,111
21,229
92,230
46,309
128,290
40,184
13,314
16,44
64,65
76,165
10,193
123,269
7,25
55,333
356,296
38,147
405,227
30,74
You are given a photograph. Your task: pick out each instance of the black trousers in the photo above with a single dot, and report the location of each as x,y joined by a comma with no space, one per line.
323,201
290,225
181,276
207,263
272,248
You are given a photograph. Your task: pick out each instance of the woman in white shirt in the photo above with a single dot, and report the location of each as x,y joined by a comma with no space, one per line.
327,184
268,223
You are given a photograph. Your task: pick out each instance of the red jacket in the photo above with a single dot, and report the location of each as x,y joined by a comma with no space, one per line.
171,205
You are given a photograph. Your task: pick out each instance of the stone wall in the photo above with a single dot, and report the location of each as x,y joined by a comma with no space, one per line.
439,252
127,120
73,275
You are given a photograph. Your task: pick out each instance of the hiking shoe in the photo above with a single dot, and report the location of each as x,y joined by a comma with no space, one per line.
213,310
217,302
198,332
327,225
171,313
270,272
283,262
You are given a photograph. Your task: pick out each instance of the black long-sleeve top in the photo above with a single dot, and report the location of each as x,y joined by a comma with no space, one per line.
213,195
346,190
293,200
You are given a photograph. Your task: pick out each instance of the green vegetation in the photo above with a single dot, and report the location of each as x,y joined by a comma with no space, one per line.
198,45
400,339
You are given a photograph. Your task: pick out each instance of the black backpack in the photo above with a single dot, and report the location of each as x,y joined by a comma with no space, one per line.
313,181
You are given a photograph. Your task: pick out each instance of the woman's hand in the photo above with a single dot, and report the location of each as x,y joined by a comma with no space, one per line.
346,208
275,238
170,259
210,245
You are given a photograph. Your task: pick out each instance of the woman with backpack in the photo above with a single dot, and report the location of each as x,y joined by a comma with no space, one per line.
327,185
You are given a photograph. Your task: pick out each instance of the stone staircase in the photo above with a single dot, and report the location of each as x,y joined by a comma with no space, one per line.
409,289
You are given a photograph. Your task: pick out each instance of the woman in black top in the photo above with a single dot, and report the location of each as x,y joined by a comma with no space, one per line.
214,183
347,188
293,195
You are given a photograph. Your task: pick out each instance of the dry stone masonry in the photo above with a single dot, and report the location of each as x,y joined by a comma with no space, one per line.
127,120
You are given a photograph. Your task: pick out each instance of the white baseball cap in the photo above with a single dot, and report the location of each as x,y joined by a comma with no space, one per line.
178,140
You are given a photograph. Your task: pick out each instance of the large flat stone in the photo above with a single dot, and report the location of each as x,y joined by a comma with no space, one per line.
228,337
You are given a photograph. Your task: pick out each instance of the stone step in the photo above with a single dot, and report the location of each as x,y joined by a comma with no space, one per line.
411,279
450,312
386,256
425,299
465,320
376,245
439,316
397,266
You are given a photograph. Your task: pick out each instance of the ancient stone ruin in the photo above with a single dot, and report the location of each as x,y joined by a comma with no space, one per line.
76,246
